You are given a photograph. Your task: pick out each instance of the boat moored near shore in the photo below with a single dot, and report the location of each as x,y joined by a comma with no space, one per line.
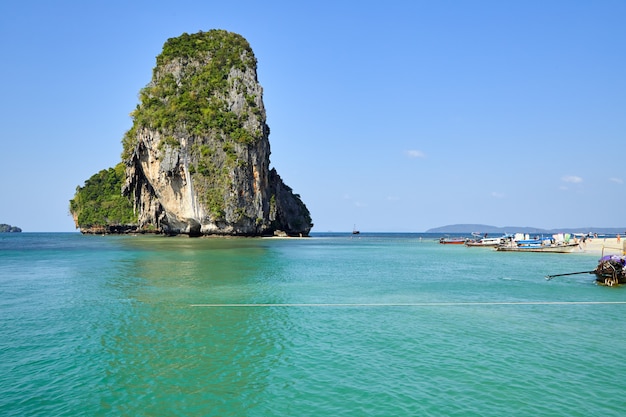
558,243
611,270
487,242
452,240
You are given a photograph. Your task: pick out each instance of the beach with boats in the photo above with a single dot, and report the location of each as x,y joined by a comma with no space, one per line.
610,269
555,243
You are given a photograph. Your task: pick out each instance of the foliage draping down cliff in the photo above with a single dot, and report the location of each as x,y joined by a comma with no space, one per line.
197,154
99,206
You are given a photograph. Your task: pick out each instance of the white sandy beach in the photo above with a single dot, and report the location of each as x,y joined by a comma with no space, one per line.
610,245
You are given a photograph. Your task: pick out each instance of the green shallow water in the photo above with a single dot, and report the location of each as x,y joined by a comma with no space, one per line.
379,325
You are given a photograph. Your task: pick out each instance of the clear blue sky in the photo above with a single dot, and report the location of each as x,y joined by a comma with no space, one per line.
391,115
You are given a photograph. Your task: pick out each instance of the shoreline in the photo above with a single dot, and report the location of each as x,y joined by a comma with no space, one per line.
610,245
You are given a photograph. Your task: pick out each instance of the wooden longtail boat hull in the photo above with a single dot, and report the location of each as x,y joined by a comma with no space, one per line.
567,248
611,270
484,243
452,240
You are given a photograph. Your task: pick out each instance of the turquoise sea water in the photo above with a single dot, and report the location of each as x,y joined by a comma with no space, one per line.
333,325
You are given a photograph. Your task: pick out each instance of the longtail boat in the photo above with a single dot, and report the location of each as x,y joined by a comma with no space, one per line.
452,240
611,270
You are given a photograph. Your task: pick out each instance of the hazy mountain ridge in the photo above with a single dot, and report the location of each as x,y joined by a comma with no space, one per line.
482,228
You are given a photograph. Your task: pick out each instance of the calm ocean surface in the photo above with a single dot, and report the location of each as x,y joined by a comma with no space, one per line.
375,325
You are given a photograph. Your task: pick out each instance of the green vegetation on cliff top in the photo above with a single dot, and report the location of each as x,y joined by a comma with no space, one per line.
100,201
194,100
224,48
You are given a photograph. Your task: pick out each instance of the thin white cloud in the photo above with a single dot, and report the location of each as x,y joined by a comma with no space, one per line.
572,179
496,194
616,180
413,153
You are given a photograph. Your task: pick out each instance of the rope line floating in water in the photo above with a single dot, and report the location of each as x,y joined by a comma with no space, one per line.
433,304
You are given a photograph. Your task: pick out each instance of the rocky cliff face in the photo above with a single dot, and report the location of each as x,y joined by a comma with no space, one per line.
197,156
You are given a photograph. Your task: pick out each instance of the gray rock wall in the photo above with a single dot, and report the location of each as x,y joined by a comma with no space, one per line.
212,181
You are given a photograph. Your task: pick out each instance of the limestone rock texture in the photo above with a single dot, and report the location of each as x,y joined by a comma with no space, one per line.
198,154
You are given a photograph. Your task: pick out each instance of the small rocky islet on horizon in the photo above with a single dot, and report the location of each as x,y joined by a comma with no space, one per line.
7,228
196,159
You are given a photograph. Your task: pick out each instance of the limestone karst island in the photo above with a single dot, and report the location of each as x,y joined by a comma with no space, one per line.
196,159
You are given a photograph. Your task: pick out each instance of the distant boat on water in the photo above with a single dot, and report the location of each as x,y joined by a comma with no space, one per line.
354,231
452,240
488,242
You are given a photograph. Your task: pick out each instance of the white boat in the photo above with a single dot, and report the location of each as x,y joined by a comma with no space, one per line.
565,248
452,240
485,241
558,243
